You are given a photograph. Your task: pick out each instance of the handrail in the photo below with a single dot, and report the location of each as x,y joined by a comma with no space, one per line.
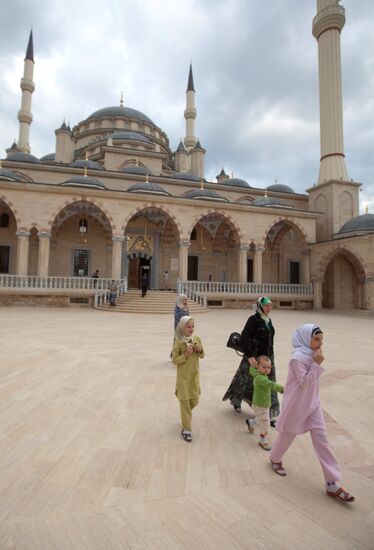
203,287
75,283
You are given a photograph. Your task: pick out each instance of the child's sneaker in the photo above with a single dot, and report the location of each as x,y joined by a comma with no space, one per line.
251,424
264,443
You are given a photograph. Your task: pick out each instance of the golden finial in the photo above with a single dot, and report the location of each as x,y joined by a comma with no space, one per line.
146,178
137,161
121,100
276,180
366,209
85,171
232,174
266,193
202,184
86,156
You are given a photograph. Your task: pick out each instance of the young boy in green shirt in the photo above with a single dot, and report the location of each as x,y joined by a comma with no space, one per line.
261,401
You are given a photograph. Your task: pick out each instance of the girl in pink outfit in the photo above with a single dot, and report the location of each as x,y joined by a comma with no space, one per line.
301,409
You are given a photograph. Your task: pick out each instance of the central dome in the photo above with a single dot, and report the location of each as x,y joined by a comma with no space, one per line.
119,111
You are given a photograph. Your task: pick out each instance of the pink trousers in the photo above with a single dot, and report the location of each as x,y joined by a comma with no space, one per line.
328,462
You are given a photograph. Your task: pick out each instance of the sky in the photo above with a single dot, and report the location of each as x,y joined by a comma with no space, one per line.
255,66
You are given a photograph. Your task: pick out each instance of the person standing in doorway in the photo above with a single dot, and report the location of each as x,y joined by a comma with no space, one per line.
166,280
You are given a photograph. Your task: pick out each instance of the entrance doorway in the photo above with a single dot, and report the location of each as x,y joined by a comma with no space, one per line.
137,268
193,268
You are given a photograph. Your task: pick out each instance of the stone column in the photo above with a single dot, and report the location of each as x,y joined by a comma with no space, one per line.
183,259
370,294
117,256
22,252
242,262
257,267
306,265
317,286
44,247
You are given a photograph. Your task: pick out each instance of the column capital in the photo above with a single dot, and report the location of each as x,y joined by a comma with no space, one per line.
259,249
118,238
44,234
22,233
184,243
317,279
244,247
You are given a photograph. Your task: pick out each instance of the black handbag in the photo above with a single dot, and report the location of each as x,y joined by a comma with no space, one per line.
234,342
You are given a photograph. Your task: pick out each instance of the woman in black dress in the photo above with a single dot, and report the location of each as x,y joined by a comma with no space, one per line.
257,339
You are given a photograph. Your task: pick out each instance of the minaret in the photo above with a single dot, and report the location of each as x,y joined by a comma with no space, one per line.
327,25
190,113
27,87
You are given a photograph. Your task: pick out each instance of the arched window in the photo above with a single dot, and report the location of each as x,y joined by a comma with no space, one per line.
4,220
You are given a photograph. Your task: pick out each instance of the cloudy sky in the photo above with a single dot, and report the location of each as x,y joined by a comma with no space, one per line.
255,72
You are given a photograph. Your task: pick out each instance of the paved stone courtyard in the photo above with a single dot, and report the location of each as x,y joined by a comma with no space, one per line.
91,456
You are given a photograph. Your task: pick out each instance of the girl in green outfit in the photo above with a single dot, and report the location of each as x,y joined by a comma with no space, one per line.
187,351
262,388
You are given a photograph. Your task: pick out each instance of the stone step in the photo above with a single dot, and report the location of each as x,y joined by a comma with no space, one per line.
155,301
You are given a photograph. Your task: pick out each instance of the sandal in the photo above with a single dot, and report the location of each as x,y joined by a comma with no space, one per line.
341,495
187,436
265,445
278,468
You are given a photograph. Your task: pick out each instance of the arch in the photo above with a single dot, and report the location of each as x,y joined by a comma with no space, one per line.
87,202
244,199
5,203
356,260
292,225
24,177
224,215
146,206
132,162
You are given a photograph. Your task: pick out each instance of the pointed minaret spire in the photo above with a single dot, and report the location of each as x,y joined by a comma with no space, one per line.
30,48
27,87
190,84
190,113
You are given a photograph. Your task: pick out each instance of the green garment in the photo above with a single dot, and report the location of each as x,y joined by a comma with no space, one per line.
188,381
262,388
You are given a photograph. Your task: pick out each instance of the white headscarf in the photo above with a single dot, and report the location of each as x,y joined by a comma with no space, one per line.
180,300
301,343
179,335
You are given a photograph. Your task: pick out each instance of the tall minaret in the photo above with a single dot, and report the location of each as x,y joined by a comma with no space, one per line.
327,26
27,87
190,113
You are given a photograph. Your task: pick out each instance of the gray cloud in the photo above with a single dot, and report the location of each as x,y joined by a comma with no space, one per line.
255,70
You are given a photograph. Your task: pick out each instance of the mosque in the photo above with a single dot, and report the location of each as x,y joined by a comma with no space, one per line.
116,196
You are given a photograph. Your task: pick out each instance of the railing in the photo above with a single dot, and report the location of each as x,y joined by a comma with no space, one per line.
198,297
201,287
71,283
102,298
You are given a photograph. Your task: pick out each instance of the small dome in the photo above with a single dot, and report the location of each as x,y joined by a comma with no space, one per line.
185,176
8,175
235,182
129,135
359,224
119,111
280,188
83,181
270,202
135,169
205,194
91,164
50,156
22,157
147,187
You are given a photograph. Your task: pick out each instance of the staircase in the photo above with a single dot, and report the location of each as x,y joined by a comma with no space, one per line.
155,301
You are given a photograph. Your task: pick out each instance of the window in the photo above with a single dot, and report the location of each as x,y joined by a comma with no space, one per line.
4,259
4,220
80,262
294,273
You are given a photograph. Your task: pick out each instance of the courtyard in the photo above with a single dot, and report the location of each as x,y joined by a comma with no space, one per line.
91,455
